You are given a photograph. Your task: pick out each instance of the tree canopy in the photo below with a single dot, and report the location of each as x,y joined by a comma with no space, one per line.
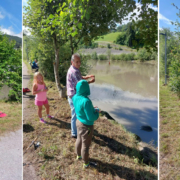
11,67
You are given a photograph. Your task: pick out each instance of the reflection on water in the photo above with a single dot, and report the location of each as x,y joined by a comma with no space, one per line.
140,78
128,92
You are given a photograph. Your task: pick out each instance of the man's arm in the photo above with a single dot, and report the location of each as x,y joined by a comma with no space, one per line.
89,76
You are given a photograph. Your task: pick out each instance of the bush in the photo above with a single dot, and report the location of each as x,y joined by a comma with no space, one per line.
154,56
94,45
108,46
121,39
94,56
108,54
102,57
174,72
143,55
11,68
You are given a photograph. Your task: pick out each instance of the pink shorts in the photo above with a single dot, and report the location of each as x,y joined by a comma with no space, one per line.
40,103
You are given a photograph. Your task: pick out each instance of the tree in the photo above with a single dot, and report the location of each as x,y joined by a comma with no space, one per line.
121,38
130,35
59,21
147,24
174,67
171,43
10,68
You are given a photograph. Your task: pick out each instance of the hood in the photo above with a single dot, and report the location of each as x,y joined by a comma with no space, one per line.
82,88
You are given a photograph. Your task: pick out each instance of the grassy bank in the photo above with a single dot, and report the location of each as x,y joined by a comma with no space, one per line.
111,37
169,134
114,149
13,120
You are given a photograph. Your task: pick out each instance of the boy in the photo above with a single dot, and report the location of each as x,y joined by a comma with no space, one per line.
86,115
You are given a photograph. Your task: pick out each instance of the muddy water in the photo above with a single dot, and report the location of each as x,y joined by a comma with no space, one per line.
128,92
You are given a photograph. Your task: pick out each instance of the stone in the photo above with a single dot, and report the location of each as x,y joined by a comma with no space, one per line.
146,128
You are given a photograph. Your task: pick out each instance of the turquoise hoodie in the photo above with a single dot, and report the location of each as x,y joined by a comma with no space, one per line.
84,109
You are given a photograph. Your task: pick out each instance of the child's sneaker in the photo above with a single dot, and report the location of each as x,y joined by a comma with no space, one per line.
79,158
90,164
42,120
50,117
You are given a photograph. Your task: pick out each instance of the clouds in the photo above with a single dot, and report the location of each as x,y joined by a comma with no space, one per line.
25,2
164,19
1,16
10,31
138,5
11,18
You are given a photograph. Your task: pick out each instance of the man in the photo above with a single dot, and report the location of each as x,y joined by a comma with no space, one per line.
73,76
34,65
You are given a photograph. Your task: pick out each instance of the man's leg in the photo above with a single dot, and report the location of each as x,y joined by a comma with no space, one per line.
73,118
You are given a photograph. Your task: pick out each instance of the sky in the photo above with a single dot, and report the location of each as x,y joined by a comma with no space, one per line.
167,13
11,17
136,11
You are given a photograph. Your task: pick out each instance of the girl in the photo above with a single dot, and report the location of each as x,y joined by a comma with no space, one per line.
40,89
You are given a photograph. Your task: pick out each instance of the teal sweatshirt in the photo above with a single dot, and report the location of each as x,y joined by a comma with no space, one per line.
84,109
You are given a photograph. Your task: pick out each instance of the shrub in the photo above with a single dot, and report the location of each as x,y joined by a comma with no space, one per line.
11,68
121,39
174,72
108,54
153,56
114,57
108,46
102,57
143,55
94,56
94,45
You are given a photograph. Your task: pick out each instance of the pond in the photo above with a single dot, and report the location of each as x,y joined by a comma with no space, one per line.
128,92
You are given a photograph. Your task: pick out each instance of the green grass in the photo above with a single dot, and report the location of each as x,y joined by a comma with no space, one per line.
13,120
169,133
114,148
109,37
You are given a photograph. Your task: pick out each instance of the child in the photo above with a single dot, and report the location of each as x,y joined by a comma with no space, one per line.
40,89
86,115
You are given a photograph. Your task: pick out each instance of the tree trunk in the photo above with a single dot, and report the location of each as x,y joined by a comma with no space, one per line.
72,48
56,70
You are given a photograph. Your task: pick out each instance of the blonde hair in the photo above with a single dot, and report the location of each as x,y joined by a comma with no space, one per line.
35,77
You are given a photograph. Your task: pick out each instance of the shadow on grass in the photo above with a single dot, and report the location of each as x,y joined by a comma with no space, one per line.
47,157
122,172
60,124
119,148
25,95
115,145
27,128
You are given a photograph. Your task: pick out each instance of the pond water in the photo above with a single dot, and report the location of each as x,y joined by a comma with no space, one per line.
128,92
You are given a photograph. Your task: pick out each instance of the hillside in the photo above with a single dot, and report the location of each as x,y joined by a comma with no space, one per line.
109,37
17,39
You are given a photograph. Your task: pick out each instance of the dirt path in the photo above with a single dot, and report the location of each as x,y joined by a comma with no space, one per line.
28,169
11,156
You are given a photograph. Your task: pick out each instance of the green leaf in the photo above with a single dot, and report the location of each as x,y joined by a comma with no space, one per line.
79,25
74,33
51,16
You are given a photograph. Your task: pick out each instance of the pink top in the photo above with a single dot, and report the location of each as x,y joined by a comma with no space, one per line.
41,96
